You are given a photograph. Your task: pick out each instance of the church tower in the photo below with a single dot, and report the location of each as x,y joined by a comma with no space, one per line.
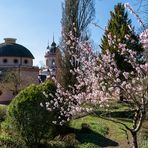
50,58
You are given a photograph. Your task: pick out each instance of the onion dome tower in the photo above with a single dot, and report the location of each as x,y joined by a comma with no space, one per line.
50,58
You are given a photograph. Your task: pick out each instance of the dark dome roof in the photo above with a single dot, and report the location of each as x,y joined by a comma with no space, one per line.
53,48
53,44
14,50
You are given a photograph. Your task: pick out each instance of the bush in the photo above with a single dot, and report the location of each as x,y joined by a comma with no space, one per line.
56,144
10,142
8,135
88,145
3,110
30,120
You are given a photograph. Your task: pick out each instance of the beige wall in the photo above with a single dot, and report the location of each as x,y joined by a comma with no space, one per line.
6,94
28,75
10,61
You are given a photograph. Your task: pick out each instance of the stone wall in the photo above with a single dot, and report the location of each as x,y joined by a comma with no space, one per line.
25,75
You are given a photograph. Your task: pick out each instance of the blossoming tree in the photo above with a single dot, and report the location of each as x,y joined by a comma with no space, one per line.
99,80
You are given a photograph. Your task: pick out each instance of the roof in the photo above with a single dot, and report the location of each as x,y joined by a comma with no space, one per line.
14,50
53,48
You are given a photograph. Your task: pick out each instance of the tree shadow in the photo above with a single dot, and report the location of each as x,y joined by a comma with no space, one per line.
89,136
86,135
116,114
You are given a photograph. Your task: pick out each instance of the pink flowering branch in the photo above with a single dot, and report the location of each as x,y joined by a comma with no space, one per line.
126,5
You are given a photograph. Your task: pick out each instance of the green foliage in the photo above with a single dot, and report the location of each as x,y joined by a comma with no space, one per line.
69,140
88,145
30,120
56,144
11,142
118,26
3,110
9,137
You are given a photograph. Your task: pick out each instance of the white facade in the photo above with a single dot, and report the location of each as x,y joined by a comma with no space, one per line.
50,60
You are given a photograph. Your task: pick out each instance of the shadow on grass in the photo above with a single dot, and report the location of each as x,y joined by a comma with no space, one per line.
86,135
116,114
90,136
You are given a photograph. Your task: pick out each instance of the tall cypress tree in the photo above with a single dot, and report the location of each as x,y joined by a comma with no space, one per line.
120,26
58,65
77,15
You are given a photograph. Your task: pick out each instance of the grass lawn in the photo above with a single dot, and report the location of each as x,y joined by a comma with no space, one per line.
106,133
93,131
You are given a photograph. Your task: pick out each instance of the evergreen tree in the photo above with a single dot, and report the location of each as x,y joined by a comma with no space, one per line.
120,26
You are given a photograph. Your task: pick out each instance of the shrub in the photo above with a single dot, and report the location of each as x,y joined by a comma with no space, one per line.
10,142
2,112
88,145
56,144
30,120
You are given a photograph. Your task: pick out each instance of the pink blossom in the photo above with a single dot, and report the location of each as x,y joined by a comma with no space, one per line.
126,75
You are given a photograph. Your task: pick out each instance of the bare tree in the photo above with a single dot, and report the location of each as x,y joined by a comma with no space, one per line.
14,81
11,81
141,7
77,15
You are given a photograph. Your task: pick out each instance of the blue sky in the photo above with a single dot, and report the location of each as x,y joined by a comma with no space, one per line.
33,22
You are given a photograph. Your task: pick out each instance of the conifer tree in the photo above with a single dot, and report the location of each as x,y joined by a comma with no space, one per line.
120,26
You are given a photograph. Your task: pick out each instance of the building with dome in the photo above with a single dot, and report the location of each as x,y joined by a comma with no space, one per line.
19,60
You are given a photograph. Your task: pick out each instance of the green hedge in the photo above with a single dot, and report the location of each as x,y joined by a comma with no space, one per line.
3,110
28,118
10,142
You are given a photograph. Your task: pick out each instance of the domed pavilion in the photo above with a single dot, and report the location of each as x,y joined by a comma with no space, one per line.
18,60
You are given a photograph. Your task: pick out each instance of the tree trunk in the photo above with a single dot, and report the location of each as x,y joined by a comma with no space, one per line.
134,138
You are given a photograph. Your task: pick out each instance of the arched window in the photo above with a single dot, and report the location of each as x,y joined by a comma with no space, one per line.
53,62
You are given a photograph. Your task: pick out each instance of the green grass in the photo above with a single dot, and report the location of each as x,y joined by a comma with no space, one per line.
92,131
95,124
106,133
143,138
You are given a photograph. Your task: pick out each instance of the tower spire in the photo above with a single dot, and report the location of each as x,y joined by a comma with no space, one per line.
53,37
53,43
